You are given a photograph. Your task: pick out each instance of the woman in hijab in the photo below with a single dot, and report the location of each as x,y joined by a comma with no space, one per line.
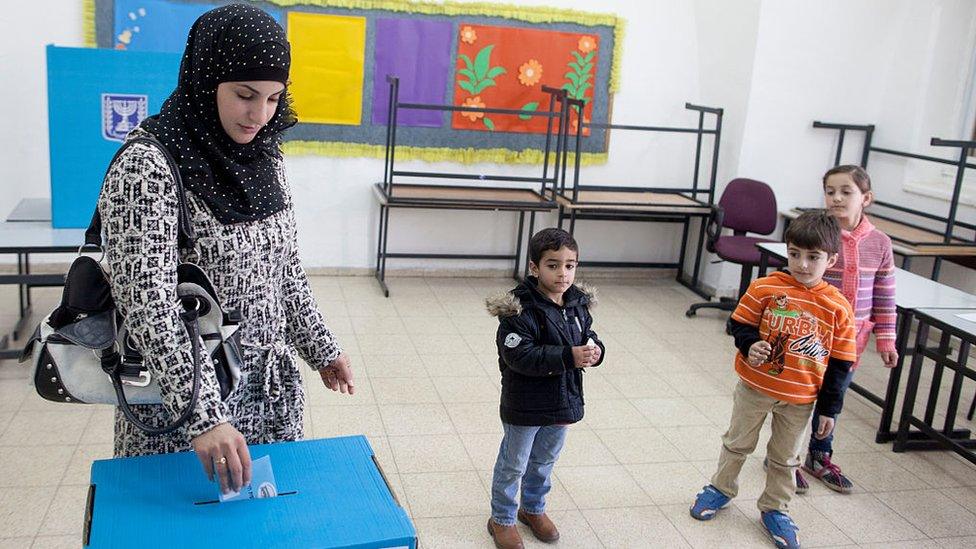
222,125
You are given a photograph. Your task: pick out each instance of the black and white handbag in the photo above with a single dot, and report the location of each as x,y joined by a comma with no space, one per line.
81,352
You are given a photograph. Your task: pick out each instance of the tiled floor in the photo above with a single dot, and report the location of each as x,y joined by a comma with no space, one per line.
427,397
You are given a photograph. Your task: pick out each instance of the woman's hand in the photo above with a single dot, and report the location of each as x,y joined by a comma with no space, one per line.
338,375
224,450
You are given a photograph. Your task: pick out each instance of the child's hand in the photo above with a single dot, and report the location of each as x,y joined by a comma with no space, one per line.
585,355
825,427
759,353
596,349
890,358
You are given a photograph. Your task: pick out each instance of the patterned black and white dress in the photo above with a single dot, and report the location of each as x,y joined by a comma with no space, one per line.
254,267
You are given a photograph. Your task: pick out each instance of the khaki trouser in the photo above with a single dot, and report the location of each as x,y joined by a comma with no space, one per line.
749,411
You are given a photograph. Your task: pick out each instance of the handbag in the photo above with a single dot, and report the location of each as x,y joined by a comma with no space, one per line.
81,352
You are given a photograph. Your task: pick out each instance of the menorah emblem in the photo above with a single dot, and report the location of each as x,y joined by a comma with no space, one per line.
121,113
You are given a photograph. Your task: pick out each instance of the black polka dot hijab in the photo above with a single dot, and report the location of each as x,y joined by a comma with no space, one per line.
238,182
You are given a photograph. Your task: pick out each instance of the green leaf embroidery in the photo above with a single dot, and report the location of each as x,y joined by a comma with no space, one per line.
481,61
578,57
467,87
588,57
467,61
573,77
586,68
584,78
487,82
488,123
534,105
467,73
568,87
575,66
497,71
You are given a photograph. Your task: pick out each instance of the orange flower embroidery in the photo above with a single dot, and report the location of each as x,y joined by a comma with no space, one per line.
574,123
530,73
468,35
586,44
474,102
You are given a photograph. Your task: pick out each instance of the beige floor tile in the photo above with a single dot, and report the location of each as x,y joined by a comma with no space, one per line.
404,390
79,468
912,544
416,419
446,344
699,442
452,365
385,344
697,384
12,394
718,409
317,394
730,528
100,428
34,465
752,476
603,414
474,417
634,527
5,419
877,472
56,427
66,515
481,343
382,325
669,483
23,543
445,494
383,453
957,543
475,324
938,469
22,509
420,326
932,512
596,386
602,486
482,448
643,445
478,388
56,542
621,362
865,519
430,454
454,532
334,421
403,364
645,385
670,412
583,447
963,496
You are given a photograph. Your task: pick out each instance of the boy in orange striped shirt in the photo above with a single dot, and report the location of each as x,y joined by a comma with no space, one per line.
796,340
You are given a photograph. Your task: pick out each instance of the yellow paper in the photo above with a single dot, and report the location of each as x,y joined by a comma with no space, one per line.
327,57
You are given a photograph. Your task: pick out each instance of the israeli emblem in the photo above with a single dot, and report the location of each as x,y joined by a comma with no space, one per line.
512,340
121,113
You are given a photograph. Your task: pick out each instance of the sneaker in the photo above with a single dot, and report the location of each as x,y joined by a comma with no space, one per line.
708,502
781,529
819,465
801,482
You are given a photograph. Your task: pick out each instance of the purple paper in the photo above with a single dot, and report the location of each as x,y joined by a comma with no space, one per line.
418,52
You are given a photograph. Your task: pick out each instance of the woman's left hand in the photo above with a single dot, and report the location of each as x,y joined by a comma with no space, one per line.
338,375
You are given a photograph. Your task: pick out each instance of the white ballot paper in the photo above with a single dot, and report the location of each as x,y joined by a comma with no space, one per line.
262,483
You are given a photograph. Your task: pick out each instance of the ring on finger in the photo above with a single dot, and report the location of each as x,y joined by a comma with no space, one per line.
222,460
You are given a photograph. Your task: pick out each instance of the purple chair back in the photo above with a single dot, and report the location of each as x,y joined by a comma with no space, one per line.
750,206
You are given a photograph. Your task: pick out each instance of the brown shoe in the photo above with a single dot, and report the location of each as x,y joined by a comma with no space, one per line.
542,527
506,537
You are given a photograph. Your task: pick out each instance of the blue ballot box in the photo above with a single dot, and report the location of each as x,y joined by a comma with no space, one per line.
332,493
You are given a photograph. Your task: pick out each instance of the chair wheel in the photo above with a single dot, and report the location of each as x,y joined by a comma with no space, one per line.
690,313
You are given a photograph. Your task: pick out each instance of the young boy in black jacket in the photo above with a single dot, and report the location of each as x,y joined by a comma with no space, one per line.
544,342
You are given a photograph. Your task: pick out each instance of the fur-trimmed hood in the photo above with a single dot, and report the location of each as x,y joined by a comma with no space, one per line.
526,294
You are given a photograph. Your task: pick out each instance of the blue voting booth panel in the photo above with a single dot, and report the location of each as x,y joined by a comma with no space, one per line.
95,96
341,500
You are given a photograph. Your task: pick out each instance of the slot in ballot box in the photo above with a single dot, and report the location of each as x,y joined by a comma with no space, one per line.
332,493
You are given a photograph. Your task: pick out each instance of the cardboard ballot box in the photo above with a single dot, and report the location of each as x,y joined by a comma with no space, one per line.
332,493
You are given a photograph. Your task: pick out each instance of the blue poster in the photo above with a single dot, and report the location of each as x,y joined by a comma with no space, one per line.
95,97
159,25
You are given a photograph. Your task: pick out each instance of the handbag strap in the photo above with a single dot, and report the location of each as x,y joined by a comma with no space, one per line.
186,235
112,364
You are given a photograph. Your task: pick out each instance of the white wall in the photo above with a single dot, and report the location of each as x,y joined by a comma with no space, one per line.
773,65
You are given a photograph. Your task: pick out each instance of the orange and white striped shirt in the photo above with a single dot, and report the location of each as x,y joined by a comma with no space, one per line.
805,326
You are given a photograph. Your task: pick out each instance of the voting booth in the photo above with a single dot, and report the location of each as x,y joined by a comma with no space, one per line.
331,493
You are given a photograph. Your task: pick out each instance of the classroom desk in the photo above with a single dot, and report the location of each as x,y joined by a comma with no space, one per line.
951,325
22,237
909,241
911,292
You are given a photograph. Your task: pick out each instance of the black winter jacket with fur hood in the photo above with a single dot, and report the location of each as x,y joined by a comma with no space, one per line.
540,384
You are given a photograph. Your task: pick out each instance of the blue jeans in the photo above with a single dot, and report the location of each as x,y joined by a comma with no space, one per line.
527,454
826,445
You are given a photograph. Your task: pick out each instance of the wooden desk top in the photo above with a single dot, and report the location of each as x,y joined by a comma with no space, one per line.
640,201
